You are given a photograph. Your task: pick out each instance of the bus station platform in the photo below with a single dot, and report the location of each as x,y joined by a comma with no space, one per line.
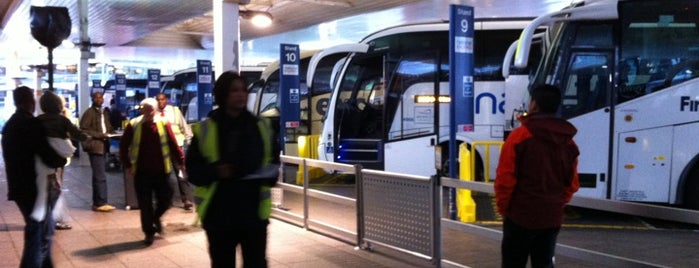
114,239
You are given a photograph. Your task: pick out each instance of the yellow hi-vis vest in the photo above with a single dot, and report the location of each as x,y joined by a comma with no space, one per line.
137,125
207,139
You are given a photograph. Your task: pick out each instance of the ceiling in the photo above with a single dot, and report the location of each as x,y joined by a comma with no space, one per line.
183,23
183,29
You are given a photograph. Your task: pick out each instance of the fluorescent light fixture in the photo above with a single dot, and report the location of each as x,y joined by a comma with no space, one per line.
261,19
424,99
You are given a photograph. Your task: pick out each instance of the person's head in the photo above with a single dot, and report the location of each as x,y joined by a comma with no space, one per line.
162,100
148,108
24,99
230,92
545,99
97,99
51,103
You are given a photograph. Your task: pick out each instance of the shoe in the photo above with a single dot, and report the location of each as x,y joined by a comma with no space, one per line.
158,227
103,208
63,226
149,239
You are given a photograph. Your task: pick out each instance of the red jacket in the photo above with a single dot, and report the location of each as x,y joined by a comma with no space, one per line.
537,172
150,156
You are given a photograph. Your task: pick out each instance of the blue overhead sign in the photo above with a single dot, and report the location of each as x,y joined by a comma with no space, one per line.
205,97
289,86
153,82
120,92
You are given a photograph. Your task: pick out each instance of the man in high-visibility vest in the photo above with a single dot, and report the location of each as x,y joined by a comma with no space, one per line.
231,161
183,134
146,150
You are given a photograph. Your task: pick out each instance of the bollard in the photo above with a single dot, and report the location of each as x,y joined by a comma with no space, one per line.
465,206
306,147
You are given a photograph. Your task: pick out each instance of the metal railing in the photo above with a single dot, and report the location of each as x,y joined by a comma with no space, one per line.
403,212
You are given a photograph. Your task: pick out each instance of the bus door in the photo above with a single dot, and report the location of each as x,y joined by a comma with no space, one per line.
339,96
585,95
411,117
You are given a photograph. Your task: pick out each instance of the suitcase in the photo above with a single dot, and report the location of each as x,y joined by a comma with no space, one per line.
129,192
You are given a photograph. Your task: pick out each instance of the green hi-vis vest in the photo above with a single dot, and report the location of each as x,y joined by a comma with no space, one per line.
137,125
207,137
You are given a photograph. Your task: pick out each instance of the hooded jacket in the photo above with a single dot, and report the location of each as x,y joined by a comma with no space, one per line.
537,172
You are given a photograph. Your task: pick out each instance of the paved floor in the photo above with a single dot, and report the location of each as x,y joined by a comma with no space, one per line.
114,239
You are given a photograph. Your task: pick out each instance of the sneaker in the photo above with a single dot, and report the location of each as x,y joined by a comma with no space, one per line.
63,226
103,208
149,239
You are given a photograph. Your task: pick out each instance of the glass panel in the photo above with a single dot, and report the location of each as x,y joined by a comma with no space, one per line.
415,75
659,46
585,87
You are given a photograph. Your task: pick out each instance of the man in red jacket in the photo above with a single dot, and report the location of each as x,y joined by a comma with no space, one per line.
536,176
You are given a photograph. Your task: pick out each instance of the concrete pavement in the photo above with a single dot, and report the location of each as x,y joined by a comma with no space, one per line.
114,239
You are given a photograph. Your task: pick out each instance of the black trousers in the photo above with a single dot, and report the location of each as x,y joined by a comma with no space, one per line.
520,243
146,186
252,241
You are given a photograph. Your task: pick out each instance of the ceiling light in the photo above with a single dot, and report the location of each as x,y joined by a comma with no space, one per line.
260,19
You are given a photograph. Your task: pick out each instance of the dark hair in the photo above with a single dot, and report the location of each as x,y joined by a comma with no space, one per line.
22,95
223,85
548,98
51,103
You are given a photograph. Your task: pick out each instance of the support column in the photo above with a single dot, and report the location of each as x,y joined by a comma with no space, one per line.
84,99
226,37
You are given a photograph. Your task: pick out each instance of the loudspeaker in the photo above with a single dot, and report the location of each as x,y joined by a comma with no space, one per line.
50,25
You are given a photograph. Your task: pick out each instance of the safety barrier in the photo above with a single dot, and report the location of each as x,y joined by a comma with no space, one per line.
403,212
307,149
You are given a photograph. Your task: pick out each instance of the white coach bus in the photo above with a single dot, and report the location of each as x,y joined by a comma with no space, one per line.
382,112
628,73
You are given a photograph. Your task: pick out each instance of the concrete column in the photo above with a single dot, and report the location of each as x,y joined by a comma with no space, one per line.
226,37
84,99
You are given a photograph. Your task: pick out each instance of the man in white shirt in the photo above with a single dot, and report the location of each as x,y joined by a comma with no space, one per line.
183,134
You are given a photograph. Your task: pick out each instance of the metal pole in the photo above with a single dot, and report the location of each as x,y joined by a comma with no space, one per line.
359,182
436,221
305,194
50,67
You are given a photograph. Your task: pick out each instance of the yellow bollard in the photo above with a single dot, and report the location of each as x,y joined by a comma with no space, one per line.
307,149
465,206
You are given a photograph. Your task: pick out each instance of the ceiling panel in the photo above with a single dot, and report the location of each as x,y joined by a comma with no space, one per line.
125,22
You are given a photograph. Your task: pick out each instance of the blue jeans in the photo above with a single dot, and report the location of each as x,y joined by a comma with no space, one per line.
99,179
37,238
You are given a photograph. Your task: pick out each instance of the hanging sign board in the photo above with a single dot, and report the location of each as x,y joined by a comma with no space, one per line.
289,87
205,97
461,65
120,91
153,82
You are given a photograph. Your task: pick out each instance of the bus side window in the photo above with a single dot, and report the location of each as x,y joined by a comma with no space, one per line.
587,84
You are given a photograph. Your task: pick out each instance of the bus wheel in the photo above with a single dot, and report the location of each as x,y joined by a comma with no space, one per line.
691,189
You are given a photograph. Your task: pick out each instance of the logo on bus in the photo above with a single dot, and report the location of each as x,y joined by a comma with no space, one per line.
688,104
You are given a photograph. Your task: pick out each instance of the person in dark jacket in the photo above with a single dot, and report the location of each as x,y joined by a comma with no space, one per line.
22,139
536,177
227,160
147,151
95,122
